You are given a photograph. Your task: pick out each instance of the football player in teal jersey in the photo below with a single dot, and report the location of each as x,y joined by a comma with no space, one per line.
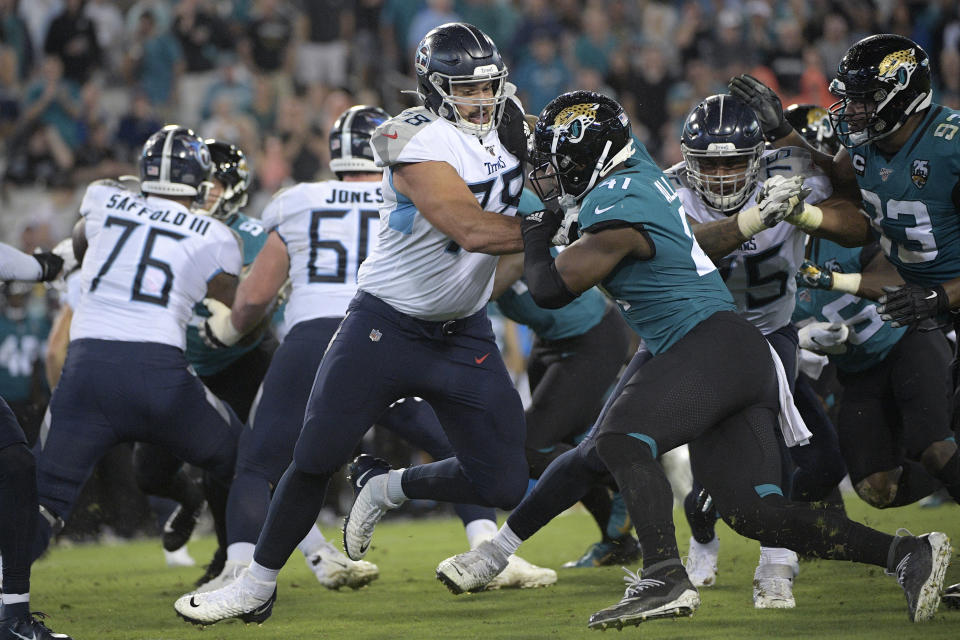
901,163
711,381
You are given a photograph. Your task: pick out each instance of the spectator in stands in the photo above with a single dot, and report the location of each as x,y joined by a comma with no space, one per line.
135,127
268,46
395,19
24,325
15,37
108,24
234,83
202,37
834,43
53,100
154,63
72,38
436,13
323,53
538,17
542,75
593,47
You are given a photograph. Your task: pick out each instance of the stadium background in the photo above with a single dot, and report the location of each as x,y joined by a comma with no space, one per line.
84,82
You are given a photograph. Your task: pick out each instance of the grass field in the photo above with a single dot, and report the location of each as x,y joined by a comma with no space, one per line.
124,591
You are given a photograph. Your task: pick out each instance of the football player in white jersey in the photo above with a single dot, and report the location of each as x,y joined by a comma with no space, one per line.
724,174
18,483
149,259
417,327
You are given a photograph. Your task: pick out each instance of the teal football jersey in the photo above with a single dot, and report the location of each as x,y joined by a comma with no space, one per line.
205,360
575,319
913,198
870,339
22,345
666,296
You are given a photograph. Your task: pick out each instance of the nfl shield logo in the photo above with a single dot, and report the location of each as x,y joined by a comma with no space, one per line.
375,335
885,173
919,172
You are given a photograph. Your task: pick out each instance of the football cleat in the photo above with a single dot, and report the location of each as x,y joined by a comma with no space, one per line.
951,596
180,525
669,596
702,562
473,570
231,571
773,586
179,558
368,476
334,570
29,626
235,600
520,574
623,550
921,571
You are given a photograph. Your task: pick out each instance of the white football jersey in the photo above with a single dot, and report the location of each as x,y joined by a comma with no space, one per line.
414,267
327,228
148,262
761,272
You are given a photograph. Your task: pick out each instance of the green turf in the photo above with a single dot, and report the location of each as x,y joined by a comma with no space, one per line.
96,592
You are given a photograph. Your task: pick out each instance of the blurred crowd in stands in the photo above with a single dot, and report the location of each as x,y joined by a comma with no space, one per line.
84,82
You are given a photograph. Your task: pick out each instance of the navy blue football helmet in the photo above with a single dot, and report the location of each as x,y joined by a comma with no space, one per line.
721,145
231,170
457,54
813,123
350,149
175,162
881,81
579,138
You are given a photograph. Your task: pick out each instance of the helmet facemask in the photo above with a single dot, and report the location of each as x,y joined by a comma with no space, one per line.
462,110
723,175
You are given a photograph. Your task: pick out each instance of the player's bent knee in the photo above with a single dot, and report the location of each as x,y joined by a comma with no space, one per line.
879,489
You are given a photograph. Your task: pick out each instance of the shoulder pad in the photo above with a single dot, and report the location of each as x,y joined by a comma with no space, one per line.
392,136
787,161
109,182
677,175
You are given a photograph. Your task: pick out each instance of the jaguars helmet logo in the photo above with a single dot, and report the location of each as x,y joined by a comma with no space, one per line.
818,117
898,66
919,172
575,119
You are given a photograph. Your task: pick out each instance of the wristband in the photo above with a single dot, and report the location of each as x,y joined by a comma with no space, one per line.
750,222
809,219
846,282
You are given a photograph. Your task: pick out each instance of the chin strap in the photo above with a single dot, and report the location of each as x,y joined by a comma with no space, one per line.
603,168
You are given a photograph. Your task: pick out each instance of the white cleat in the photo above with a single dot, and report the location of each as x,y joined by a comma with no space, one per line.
773,586
472,570
368,476
231,571
334,570
702,562
179,558
521,574
235,600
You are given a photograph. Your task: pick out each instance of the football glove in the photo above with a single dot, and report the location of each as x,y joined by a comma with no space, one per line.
824,337
217,331
813,276
911,303
778,198
764,103
50,265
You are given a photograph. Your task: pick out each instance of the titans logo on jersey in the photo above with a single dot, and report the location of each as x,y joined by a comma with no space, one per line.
760,273
414,267
148,263
327,228
913,198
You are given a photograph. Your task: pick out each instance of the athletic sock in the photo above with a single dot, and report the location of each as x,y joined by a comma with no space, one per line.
507,540
479,531
311,542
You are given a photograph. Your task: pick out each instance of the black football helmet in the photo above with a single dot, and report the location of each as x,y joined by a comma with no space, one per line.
881,81
579,137
457,54
231,170
813,123
350,149
721,144
175,162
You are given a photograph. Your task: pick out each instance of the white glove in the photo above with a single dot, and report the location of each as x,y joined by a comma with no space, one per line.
824,337
812,364
569,230
778,198
217,331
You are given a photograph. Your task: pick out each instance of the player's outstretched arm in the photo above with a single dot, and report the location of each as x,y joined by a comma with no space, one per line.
259,288
838,218
17,265
443,198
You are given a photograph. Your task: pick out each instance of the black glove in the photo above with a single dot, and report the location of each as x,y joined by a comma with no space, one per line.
50,265
911,303
544,221
764,103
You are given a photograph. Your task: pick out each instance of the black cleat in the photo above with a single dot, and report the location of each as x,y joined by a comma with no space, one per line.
951,596
663,594
29,626
180,525
920,572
